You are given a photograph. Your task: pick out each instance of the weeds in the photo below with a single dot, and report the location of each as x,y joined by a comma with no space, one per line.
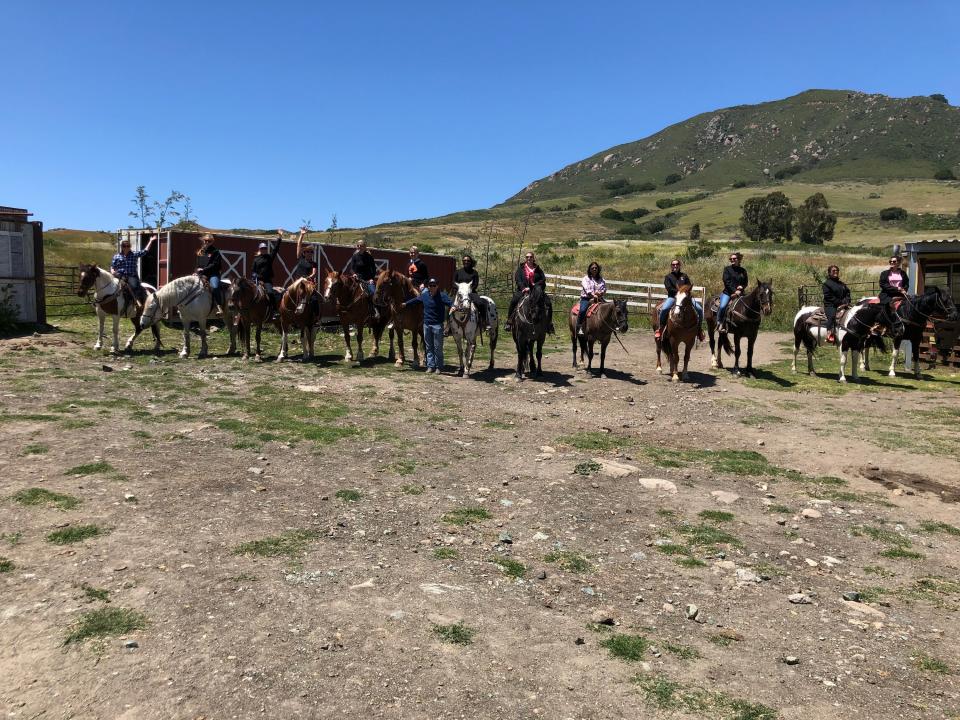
413,489
878,571
348,495
446,553
93,468
466,516
568,560
626,647
404,467
717,516
510,567
594,440
78,533
36,449
106,621
587,468
457,634
289,544
6,565
901,553
926,663
669,695
930,526
92,594
40,496
684,652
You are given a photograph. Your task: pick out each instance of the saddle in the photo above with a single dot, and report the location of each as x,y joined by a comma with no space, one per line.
591,309
818,317
714,304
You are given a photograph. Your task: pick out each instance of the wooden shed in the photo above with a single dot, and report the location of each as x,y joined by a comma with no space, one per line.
21,263
937,262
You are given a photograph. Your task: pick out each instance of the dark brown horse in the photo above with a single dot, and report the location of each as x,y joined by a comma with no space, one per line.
682,326
251,308
297,311
354,307
742,318
393,289
602,321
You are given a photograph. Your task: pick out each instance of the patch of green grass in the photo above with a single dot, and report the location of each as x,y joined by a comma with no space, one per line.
732,462
289,544
888,537
12,538
901,553
36,449
404,467
76,423
769,569
871,594
278,419
457,634
348,495
142,434
759,420
878,571
717,516
92,594
466,515
780,509
666,513
673,549
77,533
587,468
413,489
721,640
90,468
498,425
440,417
594,440
930,526
626,647
935,590
28,417
708,535
704,704
106,621
684,652
690,562
6,565
926,663
663,457
446,553
568,560
40,496
510,567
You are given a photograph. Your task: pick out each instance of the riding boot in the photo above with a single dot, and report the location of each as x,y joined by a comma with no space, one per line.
580,321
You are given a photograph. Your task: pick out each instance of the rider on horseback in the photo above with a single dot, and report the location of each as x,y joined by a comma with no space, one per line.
124,267
527,275
672,282
263,269
363,266
836,296
469,274
894,282
417,270
306,268
210,265
592,289
734,281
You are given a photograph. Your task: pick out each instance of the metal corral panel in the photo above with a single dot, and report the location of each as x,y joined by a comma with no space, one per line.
21,267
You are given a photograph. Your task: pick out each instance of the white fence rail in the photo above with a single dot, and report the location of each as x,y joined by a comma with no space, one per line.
637,294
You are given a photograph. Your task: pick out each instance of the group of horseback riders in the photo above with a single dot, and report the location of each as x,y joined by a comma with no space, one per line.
894,285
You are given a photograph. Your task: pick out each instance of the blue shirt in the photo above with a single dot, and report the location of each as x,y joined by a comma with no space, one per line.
127,264
434,306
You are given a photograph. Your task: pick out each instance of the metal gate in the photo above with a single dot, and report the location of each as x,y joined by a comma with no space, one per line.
61,282
813,294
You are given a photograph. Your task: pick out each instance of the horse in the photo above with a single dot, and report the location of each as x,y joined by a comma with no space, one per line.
682,326
297,312
914,312
602,321
393,289
250,306
530,324
743,315
193,299
465,329
855,331
109,299
353,306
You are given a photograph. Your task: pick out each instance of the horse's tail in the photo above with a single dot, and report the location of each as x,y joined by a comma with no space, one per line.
801,335
665,343
877,341
725,343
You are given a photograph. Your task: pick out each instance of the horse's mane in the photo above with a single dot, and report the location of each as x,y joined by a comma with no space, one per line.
174,291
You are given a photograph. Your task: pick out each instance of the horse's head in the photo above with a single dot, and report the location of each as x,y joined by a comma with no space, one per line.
461,303
621,308
301,292
939,303
538,305
151,311
331,285
891,319
242,295
765,295
88,276
389,288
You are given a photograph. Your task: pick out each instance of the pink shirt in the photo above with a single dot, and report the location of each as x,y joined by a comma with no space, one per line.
591,286
895,278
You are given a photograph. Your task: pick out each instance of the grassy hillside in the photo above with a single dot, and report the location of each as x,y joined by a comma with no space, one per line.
818,135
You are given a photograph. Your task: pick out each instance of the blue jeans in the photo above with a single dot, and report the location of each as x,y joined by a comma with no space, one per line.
724,301
370,286
433,340
670,302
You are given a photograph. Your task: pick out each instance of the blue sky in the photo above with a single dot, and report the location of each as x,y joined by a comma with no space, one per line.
267,113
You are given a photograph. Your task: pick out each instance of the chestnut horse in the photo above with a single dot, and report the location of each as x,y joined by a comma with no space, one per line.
251,308
297,312
354,307
682,327
393,289
606,319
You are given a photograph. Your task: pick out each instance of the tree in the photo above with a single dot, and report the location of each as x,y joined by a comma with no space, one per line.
944,173
672,178
155,213
815,221
753,219
779,219
611,214
695,232
187,219
939,97
141,202
893,213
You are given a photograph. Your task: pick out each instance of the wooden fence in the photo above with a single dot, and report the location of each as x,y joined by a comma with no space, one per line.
637,294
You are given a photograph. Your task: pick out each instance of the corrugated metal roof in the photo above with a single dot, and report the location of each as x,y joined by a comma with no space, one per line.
4,210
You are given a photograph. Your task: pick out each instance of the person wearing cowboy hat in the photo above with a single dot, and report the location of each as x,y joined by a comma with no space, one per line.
262,270
124,267
210,266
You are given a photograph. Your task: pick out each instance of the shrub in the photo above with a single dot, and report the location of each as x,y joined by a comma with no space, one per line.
700,249
672,178
631,230
618,184
739,184
664,203
893,213
815,222
572,206
611,214
9,310
695,231
788,171
635,213
646,187
654,226
944,174
769,216
939,97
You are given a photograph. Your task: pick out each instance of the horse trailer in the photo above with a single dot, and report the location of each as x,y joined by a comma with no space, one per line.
21,264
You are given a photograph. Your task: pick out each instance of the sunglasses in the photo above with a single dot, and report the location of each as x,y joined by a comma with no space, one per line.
894,262
734,259
674,264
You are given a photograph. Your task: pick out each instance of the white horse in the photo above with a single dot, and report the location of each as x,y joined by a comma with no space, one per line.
110,300
194,302
464,327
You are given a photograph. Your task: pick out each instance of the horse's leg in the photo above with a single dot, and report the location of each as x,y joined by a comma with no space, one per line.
156,339
915,355
865,358
659,343
736,354
893,359
540,356
855,365
203,339
492,335
573,342
185,350
281,356
101,318
398,327
590,354
797,342
310,334
687,347
128,347
458,339
603,354
228,319
471,351
751,339
348,356
115,348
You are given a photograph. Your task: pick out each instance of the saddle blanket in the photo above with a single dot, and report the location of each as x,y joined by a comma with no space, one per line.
591,309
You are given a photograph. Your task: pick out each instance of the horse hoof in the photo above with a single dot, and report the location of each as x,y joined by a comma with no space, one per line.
659,370
841,380
674,379
398,363
812,374
891,374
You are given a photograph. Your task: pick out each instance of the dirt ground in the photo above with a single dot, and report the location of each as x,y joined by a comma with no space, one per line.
443,547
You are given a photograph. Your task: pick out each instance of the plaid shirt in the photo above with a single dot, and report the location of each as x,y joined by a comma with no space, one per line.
127,264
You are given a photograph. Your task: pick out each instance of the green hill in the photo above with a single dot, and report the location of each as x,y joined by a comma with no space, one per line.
813,137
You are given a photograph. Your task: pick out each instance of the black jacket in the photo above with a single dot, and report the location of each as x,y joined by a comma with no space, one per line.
672,282
210,264
835,293
520,278
418,272
468,276
263,264
732,277
303,269
887,289
363,266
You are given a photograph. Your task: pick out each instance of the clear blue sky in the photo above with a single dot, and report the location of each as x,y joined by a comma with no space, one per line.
269,112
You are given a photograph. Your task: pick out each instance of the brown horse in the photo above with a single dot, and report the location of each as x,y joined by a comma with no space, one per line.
297,312
682,326
354,307
599,326
393,289
251,308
